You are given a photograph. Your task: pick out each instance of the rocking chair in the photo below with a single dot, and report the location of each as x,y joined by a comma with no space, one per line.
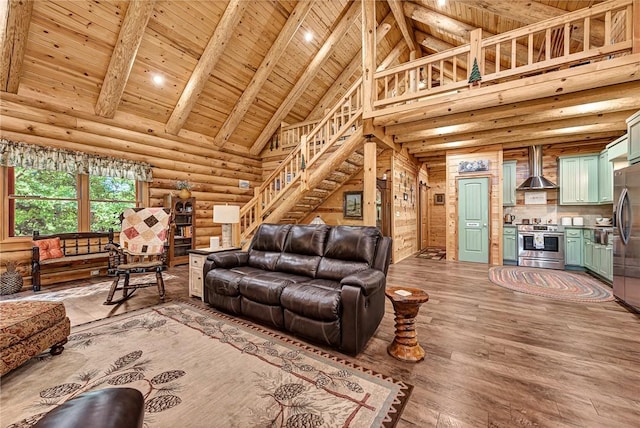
143,238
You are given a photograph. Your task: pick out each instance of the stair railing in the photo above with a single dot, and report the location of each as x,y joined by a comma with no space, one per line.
342,120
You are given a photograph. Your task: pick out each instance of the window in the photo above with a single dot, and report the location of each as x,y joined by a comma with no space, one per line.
42,200
109,196
52,202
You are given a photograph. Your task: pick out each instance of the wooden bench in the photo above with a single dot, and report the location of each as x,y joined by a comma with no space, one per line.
81,252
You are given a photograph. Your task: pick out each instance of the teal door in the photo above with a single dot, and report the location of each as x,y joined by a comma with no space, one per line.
473,220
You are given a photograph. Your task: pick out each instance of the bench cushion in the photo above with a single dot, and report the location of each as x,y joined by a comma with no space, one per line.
49,248
22,319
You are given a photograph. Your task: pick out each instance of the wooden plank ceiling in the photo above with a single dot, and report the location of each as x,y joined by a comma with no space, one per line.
100,58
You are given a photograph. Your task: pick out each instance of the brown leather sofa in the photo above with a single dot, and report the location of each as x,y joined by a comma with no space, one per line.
323,283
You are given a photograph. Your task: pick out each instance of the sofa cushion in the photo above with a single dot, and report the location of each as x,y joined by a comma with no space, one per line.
337,269
325,332
352,243
263,288
272,314
311,301
298,264
265,260
270,237
308,239
223,281
247,270
49,248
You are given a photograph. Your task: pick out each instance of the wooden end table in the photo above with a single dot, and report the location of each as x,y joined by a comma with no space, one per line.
196,264
406,304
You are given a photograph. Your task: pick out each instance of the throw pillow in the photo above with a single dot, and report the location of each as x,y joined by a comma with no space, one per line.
49,248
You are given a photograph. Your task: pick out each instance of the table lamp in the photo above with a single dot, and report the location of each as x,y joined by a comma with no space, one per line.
227,215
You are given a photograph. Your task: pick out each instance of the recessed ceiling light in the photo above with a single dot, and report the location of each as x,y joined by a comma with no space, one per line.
442,3
158,79
308,36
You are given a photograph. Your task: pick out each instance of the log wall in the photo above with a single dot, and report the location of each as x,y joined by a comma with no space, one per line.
404,208
436,214
214,174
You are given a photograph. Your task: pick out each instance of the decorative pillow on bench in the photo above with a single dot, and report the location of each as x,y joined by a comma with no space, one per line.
49,248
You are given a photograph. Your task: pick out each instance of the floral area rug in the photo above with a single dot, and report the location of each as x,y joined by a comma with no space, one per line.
555,284
198,368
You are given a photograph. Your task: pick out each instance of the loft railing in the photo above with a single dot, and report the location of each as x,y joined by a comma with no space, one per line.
598,33
344,118
290,135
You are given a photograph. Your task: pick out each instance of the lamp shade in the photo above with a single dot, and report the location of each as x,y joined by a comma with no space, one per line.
226,214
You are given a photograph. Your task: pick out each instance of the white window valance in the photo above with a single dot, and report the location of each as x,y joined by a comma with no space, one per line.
48,158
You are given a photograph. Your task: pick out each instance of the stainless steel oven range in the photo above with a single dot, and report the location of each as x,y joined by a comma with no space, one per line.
541,245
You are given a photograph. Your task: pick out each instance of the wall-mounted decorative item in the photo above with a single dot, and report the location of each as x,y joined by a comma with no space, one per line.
473,166
353,205
438,199
405,196
243,184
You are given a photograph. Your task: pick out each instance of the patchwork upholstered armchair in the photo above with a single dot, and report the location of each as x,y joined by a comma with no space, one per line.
142,249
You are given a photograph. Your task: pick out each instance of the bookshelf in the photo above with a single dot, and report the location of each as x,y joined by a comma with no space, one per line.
182,234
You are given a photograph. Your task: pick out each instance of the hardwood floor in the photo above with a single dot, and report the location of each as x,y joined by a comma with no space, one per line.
494,357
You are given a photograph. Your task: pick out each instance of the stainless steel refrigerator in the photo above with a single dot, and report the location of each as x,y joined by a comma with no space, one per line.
626,235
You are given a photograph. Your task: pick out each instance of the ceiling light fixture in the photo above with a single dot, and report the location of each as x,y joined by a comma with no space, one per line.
441,3
308,36
158,79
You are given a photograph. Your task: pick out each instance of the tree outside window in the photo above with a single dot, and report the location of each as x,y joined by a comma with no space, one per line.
109,196
49,201
45,201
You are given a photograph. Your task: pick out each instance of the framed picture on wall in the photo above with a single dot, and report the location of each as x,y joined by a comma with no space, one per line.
438,199
353,205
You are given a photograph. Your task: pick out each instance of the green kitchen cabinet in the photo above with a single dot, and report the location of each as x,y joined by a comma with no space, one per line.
579,180
633,131
509,183
605,179
573,247
509,244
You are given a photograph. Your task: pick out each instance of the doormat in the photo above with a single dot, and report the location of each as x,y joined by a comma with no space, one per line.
433,253
195,366
554,284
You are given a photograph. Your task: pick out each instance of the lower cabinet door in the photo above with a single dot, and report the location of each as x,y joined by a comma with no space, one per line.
509,248
588,255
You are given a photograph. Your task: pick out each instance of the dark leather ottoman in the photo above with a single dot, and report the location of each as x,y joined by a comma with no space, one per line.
105,408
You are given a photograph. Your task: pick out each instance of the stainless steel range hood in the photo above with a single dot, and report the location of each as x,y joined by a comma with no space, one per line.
536,181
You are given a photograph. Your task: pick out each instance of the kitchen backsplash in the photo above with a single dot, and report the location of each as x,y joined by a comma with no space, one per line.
551,214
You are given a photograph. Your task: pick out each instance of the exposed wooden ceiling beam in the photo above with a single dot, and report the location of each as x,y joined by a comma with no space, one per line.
457,29
264,70
592,101
433,44
307,76
542,118
212,53
123,56
15,16
435,157
586,132
341,84
406,30
531,12
594,133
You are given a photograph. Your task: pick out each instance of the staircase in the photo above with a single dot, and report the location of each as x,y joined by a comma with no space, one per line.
324,160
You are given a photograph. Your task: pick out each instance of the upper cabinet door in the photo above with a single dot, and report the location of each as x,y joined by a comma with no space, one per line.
605,179
509,183
633,131
579,180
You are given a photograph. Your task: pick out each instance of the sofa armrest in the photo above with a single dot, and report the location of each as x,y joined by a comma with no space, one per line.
226,260
369,281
